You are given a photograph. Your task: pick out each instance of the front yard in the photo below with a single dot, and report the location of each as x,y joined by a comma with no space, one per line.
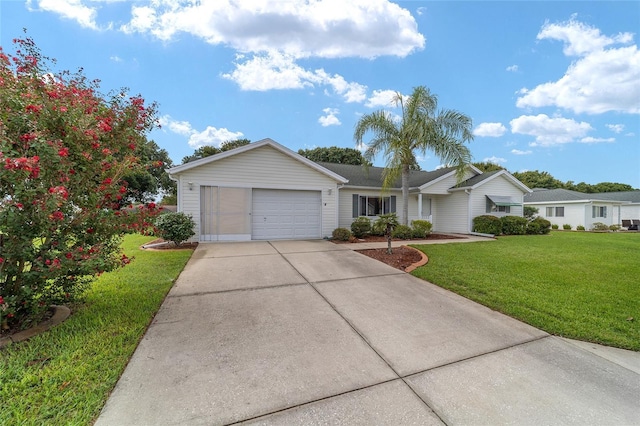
580,285
65,375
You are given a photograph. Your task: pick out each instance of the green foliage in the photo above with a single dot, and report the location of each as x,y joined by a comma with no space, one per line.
536,179
336,155
64,376
486,166
176,227
487,224
566,227
599,226
579,228
421,228
378,228
403,232
145,184
614,228
530,212
514,225
539,226
554,226
421,127
361,226
341,234
553,282
208,150
66,151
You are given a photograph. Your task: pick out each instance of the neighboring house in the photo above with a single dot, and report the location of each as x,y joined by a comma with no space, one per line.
265,191
562,206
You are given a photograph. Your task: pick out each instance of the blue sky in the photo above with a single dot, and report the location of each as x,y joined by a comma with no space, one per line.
551,86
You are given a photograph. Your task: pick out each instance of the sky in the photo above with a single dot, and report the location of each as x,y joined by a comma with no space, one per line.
550,86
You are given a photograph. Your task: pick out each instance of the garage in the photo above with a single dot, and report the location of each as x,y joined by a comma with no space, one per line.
286,214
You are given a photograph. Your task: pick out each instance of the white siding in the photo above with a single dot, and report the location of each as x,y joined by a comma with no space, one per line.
265,168
579,214
451,213
442,186
629,211
346,203
499,186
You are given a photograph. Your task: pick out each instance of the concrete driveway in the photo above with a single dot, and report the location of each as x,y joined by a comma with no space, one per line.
308,332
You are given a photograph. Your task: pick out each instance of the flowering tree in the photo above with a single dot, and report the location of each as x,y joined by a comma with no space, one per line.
64,150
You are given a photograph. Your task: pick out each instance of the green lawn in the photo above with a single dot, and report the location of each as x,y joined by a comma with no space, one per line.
65,375
580,285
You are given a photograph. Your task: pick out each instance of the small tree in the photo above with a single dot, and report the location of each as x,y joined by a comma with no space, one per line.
64,150
530,212
389,221
175,227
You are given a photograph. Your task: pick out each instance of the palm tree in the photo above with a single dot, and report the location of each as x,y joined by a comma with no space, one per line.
421,127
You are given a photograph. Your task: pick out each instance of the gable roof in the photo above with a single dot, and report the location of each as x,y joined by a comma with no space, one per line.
371,177
479,180
561,195
255,145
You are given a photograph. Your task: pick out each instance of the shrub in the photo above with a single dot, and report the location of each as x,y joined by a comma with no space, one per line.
64,150
513,225
378,228
614,228
554,226
599,226
487,224
388,222
403,232
539,226
566,227
529,212
579,228
421,228
341,234
175,227
361,226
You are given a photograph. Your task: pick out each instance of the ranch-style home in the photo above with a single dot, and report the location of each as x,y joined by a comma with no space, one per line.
563,206
265,191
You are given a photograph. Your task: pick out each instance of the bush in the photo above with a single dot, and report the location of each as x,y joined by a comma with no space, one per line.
361,226
539,226
614,228
514,225
529,212
341,234
487,224
599,226
379,227
176,227
554,226
566,227
403,232
579,228
421,228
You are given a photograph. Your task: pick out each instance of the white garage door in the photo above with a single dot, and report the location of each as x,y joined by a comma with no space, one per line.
284,214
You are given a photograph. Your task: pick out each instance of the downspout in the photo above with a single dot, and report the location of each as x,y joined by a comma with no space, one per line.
469,223
337,220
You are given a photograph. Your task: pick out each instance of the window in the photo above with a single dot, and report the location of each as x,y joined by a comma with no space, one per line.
364,205
555,211
492,207
599,211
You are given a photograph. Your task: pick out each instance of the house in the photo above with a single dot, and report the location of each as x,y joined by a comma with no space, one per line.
563,206
264,191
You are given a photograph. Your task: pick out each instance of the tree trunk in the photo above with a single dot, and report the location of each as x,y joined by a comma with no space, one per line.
405,195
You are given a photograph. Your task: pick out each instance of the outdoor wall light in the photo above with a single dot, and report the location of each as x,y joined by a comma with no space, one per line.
329,191
190,186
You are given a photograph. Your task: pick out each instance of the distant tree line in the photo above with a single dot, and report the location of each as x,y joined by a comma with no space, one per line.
538,179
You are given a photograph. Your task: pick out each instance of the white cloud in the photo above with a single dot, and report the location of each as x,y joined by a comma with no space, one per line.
603,79
616,128
275,70
590,139
519,152
294,27
421,10
381,98
549,131
330,118
493,130
115,58
512,68
69,9
494,160
210,136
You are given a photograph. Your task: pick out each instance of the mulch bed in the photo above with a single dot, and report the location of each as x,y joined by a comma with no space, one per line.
400,258
383,239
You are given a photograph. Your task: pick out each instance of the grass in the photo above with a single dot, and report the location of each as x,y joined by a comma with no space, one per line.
65,375
580,285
